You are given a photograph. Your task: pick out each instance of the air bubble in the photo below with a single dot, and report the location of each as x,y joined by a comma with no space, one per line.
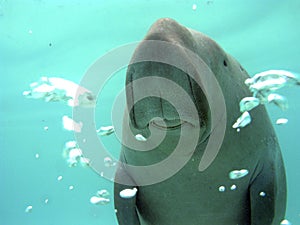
233,187
237,174
128,193
242,121
99,200
285,222
105,131
102,193
108,162
70,125
222,188
28,209
281,121
262,194
140,137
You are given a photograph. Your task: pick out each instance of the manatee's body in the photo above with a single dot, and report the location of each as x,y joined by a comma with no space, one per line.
190,196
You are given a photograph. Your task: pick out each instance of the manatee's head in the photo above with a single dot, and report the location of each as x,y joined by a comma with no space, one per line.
173,60
160,89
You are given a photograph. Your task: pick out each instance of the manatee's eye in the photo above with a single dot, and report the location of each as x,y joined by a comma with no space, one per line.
225,63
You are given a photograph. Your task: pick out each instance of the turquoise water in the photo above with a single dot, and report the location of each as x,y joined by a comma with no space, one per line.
63,38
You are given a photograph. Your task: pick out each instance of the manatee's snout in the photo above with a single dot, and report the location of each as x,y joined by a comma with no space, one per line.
160,80
159,111
165,97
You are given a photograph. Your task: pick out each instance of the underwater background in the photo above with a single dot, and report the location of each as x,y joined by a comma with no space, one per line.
63,39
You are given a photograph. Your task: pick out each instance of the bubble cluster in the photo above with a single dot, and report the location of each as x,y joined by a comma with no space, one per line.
74,155
56,89
101,198
263,85
109,162
105,130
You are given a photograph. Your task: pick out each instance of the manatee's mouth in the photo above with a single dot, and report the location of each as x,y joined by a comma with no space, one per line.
159,114
167,124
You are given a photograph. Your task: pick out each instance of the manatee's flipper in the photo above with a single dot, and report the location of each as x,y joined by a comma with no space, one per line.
125,207
268,190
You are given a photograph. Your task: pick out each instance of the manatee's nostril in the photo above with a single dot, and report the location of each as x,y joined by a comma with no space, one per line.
225,63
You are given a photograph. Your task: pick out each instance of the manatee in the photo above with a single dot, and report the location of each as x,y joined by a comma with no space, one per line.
187,97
